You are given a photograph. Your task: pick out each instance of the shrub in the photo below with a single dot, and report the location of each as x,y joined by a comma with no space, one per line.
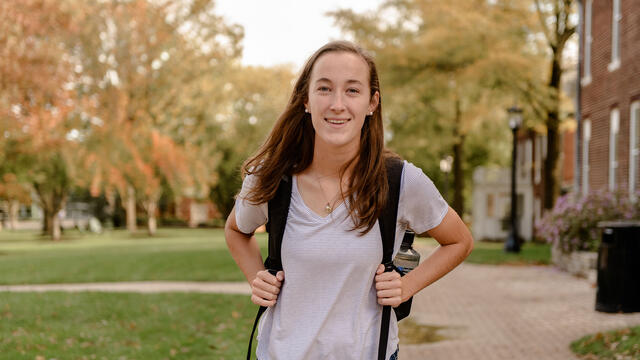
572,224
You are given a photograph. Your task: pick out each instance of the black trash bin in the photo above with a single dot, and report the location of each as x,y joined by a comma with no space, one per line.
619,267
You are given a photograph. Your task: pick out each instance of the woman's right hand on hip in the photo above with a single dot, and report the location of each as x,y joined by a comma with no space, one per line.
266,287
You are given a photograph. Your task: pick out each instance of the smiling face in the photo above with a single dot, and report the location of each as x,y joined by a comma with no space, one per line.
340,99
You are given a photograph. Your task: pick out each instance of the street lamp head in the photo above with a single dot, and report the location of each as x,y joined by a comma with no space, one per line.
445,164
515,117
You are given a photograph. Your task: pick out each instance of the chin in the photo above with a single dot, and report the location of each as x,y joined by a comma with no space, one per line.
338,142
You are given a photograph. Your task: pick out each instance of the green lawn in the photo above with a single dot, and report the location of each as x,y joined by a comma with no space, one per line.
613,345
174,254
89,325
493,253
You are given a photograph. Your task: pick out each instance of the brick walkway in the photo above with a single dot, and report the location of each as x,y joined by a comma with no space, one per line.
508,312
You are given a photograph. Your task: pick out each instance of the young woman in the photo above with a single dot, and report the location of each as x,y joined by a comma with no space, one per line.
330,141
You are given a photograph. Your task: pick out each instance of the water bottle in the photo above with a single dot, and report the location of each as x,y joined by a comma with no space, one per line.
407,258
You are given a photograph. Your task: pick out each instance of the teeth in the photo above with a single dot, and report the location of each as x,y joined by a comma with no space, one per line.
336,121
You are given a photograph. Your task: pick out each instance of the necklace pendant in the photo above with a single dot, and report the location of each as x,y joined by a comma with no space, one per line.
328,208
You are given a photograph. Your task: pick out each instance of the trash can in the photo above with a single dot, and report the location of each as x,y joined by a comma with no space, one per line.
619,267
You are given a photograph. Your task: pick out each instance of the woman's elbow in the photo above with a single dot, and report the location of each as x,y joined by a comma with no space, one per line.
469,245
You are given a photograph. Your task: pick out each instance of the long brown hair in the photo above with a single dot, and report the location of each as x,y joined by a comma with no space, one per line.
289,147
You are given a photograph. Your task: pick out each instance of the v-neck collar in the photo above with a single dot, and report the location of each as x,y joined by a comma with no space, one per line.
312,213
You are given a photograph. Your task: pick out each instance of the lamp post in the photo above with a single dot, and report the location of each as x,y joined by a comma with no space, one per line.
445,167
515,120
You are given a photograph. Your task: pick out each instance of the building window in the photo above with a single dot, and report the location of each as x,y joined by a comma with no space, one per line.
615,36
634,148
613,147
586,79
586,138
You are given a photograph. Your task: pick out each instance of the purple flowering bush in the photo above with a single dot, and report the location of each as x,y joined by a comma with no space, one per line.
572,224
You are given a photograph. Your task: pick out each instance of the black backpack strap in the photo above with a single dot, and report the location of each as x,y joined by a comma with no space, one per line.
389,216
278,211
387,222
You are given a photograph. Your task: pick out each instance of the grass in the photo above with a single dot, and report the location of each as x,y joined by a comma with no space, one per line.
494,254
174,254
615,345
89,325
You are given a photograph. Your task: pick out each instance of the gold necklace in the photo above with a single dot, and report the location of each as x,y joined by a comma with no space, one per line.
328,207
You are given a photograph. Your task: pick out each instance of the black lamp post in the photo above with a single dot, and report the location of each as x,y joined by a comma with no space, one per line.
445,167
515,120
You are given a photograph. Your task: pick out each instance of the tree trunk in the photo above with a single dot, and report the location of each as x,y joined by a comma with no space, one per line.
551,188
131,209
152,205
14,206
110,196
46,220
55,226
458,176
458,159
51,208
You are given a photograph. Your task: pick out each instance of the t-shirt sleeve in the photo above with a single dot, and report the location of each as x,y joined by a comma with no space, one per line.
421,207
249,216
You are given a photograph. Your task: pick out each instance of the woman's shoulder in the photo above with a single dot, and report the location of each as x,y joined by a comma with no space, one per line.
412,172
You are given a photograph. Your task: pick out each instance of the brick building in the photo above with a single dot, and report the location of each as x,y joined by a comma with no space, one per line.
608,147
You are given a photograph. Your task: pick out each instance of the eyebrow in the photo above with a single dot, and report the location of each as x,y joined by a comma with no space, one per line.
350,81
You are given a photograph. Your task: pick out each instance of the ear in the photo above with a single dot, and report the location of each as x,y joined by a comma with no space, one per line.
375,100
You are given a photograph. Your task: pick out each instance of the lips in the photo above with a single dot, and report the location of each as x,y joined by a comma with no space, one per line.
336,121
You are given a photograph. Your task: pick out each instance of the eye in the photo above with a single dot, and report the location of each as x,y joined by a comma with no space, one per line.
323,89
353,91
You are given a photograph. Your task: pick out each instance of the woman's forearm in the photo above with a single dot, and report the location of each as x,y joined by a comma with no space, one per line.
444,259
243,248
456,244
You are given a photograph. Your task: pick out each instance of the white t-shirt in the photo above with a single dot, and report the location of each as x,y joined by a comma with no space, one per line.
327,307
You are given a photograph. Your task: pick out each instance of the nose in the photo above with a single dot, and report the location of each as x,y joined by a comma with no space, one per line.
337,104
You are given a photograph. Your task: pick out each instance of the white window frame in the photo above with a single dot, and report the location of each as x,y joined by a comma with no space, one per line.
634,147
586,139
588,39
615,36
614,127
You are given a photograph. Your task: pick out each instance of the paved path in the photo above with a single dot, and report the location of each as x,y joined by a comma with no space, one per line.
139,286
488,312
509,312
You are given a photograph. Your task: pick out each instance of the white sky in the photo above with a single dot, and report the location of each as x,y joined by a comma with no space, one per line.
286,31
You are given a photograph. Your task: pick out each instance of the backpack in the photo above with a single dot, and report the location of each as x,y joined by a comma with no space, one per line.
278,210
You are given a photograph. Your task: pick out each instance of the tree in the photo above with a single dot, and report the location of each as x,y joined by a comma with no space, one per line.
258,96
36,106
156,70
450,68
558,26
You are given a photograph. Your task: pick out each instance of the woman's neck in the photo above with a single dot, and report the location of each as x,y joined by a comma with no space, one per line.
328,160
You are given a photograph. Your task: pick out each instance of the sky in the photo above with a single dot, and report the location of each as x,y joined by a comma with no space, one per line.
286,31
